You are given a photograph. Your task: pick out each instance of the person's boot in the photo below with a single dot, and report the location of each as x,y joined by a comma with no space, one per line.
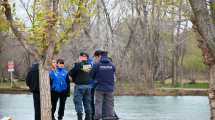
88,116
92,117
53,118
116,116
60,118
80,115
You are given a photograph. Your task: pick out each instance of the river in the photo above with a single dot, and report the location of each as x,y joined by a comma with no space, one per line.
20,107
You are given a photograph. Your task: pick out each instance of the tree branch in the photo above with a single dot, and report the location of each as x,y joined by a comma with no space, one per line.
20,36
26,10
51,19
74,25
107,16
204,22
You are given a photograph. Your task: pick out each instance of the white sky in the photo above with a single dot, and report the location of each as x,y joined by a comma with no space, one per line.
20,11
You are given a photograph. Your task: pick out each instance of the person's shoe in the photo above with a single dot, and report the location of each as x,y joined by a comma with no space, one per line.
80,116
60,118
88,116
116,117
93,116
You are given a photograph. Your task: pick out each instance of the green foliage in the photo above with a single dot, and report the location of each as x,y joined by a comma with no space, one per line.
72,12
194,62
37,36
212,5
193,59
3,23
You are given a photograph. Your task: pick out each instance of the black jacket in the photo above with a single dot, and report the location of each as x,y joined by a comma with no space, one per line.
32,79
79,76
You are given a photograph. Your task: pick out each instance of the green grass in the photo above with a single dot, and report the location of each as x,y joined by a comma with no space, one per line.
196,85
188,85
129,85
15,84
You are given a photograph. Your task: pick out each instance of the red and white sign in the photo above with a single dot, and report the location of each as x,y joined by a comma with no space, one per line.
10,66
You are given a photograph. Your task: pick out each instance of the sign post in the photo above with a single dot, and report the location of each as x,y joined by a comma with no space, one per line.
10,67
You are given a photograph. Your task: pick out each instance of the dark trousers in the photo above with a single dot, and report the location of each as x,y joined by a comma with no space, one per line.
92,102
54,99
93,105
104,105
36,99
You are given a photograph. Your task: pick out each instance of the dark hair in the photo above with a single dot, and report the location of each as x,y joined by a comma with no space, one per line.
61,61
104,53
97,53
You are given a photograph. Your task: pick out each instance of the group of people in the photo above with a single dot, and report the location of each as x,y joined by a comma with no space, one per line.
93,91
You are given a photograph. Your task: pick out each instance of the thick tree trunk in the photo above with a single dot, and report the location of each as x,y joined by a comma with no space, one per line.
45,96
211,94
204,24
212,103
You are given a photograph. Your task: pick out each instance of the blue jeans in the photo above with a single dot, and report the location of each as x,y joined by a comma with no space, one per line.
82,94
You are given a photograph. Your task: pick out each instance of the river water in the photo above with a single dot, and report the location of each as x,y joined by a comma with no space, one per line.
20,107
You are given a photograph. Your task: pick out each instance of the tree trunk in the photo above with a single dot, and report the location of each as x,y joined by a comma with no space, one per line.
211,94
45,96
174,69
204,24
178,44
174,51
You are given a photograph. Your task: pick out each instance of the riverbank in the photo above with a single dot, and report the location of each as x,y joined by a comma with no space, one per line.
166,92
198,89
156,92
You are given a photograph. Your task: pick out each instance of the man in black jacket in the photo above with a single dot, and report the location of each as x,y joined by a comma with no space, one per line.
32,81
80,74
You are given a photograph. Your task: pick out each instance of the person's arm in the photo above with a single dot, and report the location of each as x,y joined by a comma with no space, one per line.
114,70
28,79
73,72
94,71
68,85
51,79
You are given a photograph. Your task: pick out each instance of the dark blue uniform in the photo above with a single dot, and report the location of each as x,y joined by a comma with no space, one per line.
104,74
